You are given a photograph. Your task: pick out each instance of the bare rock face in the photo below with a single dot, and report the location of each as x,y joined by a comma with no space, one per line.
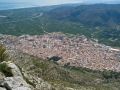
2,88
43,85
16,82
39,83
2,76
14,69
1,80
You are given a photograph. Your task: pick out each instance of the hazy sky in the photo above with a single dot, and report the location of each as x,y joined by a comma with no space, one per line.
51,2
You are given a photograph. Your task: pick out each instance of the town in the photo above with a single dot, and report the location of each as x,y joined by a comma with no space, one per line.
74,50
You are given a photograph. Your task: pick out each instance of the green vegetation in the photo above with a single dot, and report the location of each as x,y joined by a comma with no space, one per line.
29,82
73,77
3,66
3,54
61,77
5,70
111,74
39,20
105,74
54,58
103,24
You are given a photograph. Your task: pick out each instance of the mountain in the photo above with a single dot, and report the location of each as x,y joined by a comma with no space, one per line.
60,47
91,15
98,21
104,19
102,23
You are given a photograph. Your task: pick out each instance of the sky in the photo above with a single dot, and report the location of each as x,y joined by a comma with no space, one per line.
54,2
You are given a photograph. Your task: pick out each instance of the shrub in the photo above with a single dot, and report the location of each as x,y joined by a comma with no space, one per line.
5,70
110,74
55,58
3,54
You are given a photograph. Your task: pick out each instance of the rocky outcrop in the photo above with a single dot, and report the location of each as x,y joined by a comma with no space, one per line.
16,82
1,88
21,81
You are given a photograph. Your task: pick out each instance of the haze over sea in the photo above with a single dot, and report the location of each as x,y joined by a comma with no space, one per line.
14,4
5,6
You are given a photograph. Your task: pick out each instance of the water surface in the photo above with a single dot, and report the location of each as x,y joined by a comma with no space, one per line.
6,6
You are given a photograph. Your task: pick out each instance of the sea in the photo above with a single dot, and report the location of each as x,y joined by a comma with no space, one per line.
6,6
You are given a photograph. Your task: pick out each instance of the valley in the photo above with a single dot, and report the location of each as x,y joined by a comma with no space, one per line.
103,24
60,47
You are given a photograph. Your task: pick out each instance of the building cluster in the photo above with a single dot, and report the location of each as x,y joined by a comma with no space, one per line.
76,50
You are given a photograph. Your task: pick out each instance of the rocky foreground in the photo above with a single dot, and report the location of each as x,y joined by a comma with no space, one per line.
69,49
15,82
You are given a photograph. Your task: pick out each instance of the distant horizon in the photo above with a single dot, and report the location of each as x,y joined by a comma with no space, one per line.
57,2
11,5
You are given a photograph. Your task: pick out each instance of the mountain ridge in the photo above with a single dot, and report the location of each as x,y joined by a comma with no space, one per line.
102,23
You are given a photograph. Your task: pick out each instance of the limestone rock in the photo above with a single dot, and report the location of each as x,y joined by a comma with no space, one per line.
43,85
16,82
1,76
1,88
15,70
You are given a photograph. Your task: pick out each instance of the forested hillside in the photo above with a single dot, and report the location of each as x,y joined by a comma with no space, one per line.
99,21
